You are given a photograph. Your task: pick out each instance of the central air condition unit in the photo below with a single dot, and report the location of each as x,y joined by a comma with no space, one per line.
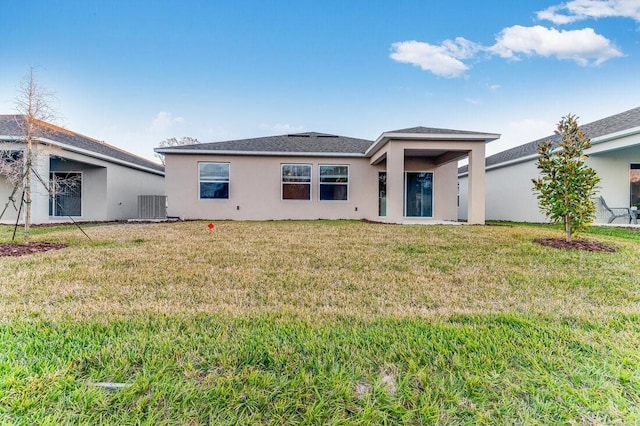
152,207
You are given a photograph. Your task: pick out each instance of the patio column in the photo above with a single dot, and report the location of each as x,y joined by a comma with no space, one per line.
395,184
476,197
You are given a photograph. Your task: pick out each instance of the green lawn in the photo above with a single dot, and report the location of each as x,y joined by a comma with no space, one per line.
327,322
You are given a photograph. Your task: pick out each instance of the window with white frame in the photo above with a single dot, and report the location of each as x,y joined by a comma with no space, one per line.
213,180
334,182
296,181
634,185
65,194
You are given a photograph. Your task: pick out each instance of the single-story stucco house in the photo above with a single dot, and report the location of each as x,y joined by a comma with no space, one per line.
106,180
614,155
404,176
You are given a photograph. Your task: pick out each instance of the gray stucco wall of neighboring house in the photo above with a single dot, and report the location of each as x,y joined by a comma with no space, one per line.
123,187
11,212
613,168
109,191
510,196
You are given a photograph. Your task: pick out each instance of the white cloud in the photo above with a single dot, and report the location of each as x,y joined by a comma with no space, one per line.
444,60
493,87
577,10
583,46
280,128
473,101
164,121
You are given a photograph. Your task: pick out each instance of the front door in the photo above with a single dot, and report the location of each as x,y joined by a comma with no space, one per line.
418,194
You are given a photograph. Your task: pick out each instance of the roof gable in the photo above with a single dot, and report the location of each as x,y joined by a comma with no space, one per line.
11,126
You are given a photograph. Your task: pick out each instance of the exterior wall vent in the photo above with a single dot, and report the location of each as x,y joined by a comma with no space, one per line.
152,206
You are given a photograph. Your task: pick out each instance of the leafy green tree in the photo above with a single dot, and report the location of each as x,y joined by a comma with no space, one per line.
566,186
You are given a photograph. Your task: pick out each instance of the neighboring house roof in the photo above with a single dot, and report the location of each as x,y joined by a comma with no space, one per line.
606,126
310,143
11,129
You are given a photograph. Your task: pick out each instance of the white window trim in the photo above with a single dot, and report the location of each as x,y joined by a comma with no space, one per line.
348,183
433,195
228,181
283,183
81,194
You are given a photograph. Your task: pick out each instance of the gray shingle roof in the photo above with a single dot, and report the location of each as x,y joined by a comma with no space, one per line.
605,126
435,131
310,143
10,125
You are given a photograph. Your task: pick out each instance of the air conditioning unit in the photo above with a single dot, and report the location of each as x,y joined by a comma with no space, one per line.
152,206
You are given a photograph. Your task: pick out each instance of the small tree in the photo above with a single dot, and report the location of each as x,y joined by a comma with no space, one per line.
18,164
185,140
566,186
33,103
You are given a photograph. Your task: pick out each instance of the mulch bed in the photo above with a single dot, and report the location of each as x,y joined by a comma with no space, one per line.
577,244
10,249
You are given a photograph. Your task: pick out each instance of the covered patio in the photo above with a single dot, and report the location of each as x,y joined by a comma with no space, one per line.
418,178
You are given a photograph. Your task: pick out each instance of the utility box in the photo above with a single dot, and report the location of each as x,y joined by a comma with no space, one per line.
152,206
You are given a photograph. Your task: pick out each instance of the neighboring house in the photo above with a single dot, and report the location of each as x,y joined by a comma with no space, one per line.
614,155
99,182
405,176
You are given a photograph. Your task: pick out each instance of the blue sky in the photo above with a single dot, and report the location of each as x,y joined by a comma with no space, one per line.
133,73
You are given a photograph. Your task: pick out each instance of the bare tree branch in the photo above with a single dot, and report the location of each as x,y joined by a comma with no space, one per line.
33,104
185,140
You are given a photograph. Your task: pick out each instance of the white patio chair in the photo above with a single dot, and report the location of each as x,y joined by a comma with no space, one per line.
616,212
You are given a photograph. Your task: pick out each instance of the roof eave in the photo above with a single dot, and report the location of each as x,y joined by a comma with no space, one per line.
472,137
99,156
616,135
595,141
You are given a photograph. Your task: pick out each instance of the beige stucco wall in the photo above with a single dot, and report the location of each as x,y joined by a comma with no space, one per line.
255,189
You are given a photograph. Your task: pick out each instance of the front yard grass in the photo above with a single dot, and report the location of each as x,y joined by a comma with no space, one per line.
326,322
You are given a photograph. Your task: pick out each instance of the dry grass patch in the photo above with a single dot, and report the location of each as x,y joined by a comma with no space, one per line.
319,323
314,270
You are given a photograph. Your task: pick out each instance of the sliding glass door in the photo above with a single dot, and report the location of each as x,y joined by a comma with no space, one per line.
418,194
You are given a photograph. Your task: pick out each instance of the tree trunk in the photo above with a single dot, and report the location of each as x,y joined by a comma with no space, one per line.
567,227
27,191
